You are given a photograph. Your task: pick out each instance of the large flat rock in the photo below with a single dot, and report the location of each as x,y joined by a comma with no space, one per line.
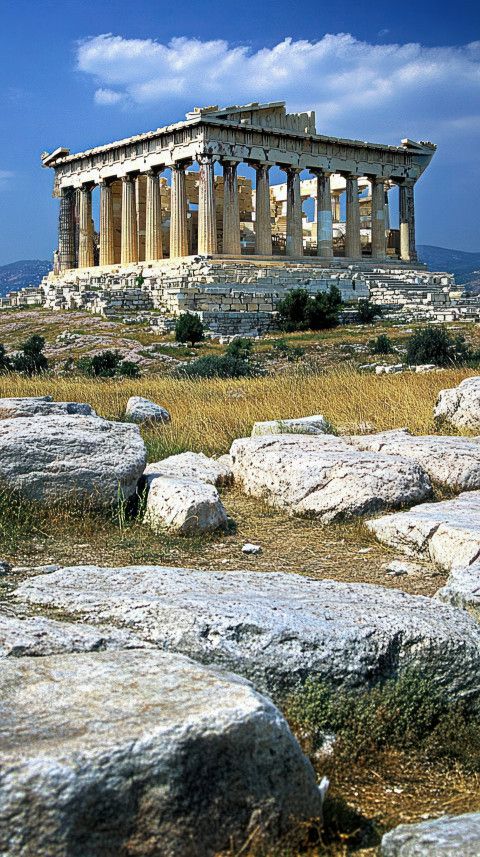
316,424
41,406
450,461
141,753
449,836
64,457
41,636
192,465
325,477
183,506
462,589
447,532
276,629
460,406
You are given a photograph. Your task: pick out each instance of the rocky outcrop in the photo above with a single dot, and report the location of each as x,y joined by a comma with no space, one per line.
142,752
462,589
140,410
450,461
325,476
275,629
41,406
460,406
40,636
183,506
59,458
193,465
448,836
447,532
315,424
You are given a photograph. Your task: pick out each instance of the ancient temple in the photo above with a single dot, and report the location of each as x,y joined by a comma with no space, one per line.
215,212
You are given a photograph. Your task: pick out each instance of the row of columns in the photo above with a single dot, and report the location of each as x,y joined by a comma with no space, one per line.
207,226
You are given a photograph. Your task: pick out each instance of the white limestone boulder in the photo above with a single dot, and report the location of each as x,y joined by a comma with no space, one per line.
183,506
447,532
192,465
142,752
450,461
40,636
326,477
41,406
462,588
275,629
316,424
141,410
460,406
448,836
58,458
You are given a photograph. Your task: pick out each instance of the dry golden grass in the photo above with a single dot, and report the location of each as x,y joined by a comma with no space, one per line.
208,414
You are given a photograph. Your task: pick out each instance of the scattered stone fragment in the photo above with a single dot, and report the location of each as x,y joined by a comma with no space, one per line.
34,569
37,635
447,532
67,457
184,506
141,410
462,588
451,461
110,752
425,367
448,836
251,549
397,567
460,406
41,406
192,465
276,629
315,424
391,369
5,567
325,476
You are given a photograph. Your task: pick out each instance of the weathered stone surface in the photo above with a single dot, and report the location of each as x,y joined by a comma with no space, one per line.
451,461
449,836
192,465
184,506
127,752
460,406
462,588
275,629
38,635
41,406
141,410
60,457
448,532
325,476
315,424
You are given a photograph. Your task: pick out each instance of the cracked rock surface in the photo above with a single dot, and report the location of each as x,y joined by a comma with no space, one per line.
40,636
460,406
449,836
462,589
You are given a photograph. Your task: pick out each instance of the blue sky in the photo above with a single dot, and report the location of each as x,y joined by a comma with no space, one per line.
78,74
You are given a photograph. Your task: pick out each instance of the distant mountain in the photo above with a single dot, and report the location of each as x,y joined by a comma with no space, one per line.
465,266
18,275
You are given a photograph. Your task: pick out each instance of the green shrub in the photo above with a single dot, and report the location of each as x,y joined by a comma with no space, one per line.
31,360
5,361
189,328
381,345
367,312
219,367
435,345
108,364
282,349
301,311
240,348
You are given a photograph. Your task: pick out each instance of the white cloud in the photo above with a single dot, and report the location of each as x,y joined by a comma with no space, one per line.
5,175
358,89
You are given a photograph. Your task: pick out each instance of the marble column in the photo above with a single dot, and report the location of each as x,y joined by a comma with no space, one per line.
263,220
85,227
129,245
107,234
379,244
153,223
231,212
178,214
294,245
207,213
66,230
408,251
353,247
324,216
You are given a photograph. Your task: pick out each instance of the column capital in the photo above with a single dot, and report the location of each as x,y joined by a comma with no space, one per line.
205,158
230,162
180,166
291,169
153,172
319,171
129,177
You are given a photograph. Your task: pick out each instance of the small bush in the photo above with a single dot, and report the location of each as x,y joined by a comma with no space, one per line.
381,345
367,312
435,345
301,311
240,348
31,360
189,328
108,364
5,362
282,349
219,367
